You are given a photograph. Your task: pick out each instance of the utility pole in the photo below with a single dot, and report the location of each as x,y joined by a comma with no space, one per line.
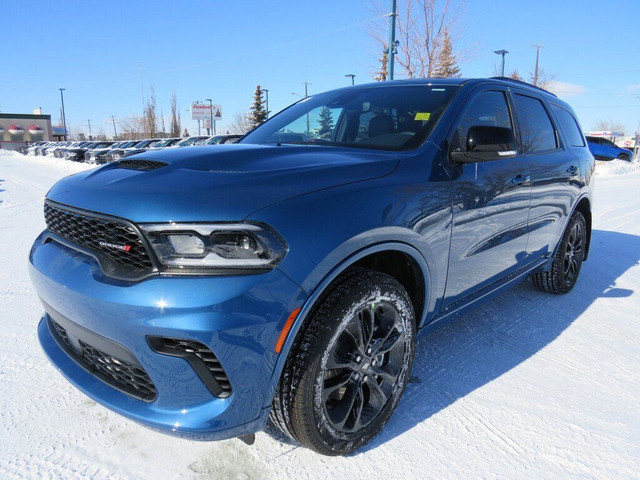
503,53
392,39
115,133
306,94
89,124
352,78
266,93
64,118
536,71
212,125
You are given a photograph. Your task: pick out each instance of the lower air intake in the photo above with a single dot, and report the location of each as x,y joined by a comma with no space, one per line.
201,359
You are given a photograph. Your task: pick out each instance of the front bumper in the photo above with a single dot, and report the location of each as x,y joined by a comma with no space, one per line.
238,318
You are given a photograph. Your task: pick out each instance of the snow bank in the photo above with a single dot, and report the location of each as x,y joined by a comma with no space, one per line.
616,167
65,166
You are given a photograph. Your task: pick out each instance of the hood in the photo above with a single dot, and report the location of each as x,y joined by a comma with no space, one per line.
217,183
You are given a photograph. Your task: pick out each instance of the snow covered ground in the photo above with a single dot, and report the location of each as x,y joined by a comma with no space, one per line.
527,386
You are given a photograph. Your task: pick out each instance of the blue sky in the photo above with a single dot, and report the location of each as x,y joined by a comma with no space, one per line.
222,50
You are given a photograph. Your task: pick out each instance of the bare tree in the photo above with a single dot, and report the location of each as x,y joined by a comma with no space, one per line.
240,123
175,116
421,29
544,80
132,128
163,130
608,125
151,115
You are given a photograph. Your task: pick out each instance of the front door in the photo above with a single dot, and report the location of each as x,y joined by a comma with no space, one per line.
490,202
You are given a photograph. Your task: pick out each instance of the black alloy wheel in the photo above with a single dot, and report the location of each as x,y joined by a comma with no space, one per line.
349,365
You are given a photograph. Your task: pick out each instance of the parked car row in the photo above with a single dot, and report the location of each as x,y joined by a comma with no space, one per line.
110,151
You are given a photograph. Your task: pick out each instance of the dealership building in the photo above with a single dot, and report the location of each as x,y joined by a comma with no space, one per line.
18,129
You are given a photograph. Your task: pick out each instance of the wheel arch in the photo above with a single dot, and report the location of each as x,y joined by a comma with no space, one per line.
584,206
414,273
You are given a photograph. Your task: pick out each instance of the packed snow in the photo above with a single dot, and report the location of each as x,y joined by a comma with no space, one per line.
528,385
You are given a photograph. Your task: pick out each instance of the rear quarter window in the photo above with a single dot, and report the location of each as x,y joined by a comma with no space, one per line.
569,126
538,134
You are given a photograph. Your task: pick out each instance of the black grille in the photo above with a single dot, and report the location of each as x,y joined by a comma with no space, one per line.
198,355
116,240
140,164
120,374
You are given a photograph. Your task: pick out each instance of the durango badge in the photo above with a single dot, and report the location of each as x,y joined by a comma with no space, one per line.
124,248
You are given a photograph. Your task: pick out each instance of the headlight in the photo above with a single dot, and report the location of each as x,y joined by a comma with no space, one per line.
216,248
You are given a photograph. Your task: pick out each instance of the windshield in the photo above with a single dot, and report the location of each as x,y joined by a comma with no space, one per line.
380,117
187,141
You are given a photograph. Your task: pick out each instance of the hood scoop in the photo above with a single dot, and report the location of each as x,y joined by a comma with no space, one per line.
144,165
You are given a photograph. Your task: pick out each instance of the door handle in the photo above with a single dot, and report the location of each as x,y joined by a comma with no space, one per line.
572,170
521,179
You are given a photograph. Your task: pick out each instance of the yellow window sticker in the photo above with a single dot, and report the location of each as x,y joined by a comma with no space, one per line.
422,116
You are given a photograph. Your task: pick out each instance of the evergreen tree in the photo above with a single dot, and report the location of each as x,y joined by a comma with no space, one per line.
381,75
326,124
257,112
185,133
446,65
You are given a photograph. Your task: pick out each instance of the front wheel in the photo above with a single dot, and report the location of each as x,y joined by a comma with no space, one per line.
349,367
624,157
568,259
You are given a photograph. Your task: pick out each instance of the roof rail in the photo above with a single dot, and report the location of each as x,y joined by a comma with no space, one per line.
521,82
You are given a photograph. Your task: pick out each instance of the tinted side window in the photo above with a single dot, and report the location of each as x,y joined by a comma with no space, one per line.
569,125
490,109
537,130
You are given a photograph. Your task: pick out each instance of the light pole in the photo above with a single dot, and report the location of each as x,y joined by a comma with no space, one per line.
213,125
352,78
392,38
503,53
89,124
266,93
64,118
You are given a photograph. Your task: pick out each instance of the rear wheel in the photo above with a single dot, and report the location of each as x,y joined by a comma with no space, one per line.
567,261
349,366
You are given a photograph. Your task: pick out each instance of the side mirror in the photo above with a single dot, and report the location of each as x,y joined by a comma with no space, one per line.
486,143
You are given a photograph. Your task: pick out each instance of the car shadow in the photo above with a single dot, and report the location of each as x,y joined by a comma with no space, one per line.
1,190
488,341
485,342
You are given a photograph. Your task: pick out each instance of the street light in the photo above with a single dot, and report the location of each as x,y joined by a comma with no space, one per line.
503,53
213,125
64,118
352,78
266,93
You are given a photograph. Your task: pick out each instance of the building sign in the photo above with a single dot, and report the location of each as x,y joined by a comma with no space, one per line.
202,111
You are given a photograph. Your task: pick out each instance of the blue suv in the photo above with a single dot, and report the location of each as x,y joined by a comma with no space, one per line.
603,149
203,291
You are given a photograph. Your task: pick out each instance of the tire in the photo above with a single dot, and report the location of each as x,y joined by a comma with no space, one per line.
567,261
624,157
343,379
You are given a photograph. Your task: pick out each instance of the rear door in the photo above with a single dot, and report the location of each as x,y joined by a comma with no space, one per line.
490,202
555,173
